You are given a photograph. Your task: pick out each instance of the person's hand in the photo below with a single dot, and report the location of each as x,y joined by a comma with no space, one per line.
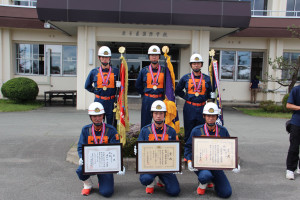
118,83
122,172
213,95
80,162
237,170
134,150
191,168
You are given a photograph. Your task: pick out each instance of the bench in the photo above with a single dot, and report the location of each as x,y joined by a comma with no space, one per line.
64,94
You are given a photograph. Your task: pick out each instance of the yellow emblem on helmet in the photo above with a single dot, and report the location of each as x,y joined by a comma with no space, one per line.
197,58
97,110
106,53
154,50
158,107
211,110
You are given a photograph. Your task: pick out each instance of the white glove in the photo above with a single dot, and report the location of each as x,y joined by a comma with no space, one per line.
219,122
122,172
80,162
237,170
191,168
213,95
118,83
134,150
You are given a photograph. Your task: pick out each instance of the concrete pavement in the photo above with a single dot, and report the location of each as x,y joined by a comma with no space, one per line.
34,145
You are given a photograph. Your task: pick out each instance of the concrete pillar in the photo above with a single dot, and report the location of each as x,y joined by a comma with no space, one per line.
6,60
1,59
86,45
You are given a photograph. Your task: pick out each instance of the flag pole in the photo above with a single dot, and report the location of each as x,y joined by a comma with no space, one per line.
165,50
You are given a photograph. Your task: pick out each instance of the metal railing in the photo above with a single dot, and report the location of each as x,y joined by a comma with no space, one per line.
19,3
275,13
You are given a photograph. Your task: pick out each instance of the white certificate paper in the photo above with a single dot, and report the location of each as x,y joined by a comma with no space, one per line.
102,158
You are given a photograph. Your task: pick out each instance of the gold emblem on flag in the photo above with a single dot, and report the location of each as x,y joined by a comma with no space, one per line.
104,88
97,110
165,49
211,110
105,53
158,107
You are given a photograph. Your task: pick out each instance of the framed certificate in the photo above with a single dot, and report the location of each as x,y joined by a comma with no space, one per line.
102,158
215,153
158,157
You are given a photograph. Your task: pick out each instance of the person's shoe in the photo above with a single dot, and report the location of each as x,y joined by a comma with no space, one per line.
160,183
201,189
87,187
149,190
290,175
210,185
85,192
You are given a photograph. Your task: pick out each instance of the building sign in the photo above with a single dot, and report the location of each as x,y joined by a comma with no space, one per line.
144,34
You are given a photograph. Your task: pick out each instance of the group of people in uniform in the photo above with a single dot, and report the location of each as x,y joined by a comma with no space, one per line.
199,120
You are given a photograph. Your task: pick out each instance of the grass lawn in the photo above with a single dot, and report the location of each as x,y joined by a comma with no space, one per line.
11,106
258,112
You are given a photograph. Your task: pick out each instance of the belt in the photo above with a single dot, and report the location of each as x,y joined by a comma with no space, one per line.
196,104
153,95
105,98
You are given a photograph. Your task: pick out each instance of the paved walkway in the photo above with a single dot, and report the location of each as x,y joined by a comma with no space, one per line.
34,145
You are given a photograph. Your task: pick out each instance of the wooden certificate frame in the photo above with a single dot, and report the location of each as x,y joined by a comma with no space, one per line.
102,158
215,153
158,157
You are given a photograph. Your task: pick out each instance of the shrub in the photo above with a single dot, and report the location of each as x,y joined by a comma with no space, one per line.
20,89
284,102
270,106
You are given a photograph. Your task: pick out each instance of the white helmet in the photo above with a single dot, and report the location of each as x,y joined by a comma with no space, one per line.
211,109
154,50
158,105
195,58
104,51
96,108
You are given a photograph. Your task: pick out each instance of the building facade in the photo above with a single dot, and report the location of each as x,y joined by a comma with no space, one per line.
55,42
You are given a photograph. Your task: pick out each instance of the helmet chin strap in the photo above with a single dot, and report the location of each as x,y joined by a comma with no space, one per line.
103,63
196,70
211,124
154,62
158,122
97,124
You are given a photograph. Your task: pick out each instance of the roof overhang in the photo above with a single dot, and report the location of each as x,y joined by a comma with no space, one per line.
219,17
269,27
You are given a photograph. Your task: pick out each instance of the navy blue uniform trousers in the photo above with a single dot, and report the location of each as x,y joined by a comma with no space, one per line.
170,181
219,179
106,182
192,116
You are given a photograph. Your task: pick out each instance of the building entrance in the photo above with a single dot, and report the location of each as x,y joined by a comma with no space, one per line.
136,56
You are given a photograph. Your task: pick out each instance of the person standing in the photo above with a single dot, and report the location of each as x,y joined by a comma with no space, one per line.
293,103
102,81
159,131
150,84
254,89
197,91
97,132
209,178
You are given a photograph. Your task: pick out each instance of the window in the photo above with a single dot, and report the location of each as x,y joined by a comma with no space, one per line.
259,7
25,2
30,59
292,58
235,65
58,59
292,6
